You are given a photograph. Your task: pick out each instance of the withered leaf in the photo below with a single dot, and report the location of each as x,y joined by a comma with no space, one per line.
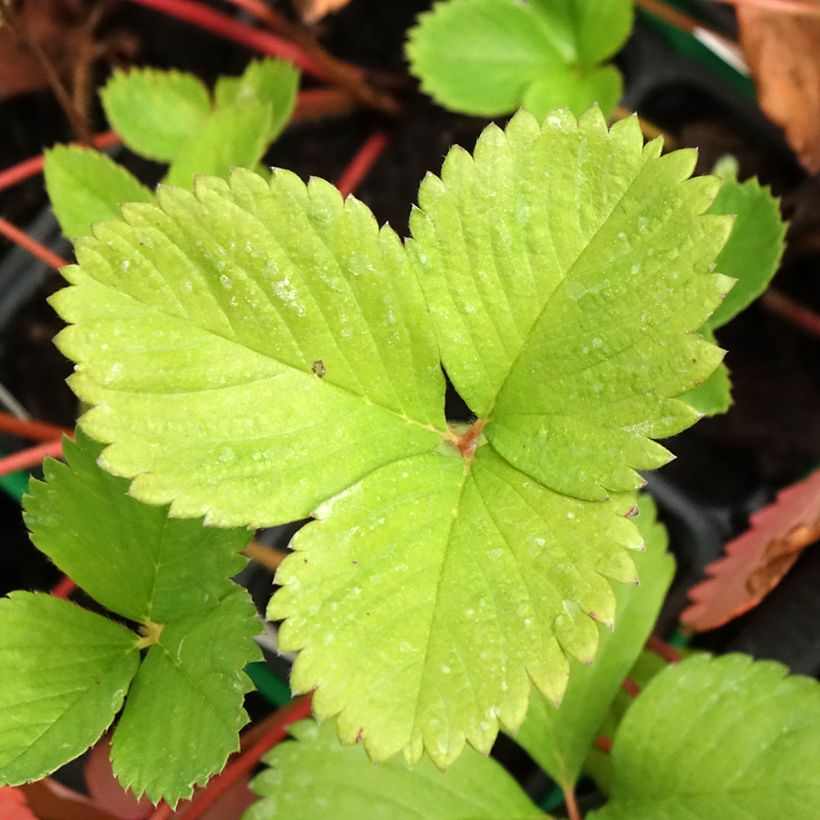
756,561
314,10
783,52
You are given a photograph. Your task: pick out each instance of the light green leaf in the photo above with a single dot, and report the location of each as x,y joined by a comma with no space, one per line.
255,331
718,737
233,137
559,739
567,268
752,254
65,672
488,57
452,584
587,31
313,777
184,711
272,82
130,557
85,187
575,90
155,112
271,356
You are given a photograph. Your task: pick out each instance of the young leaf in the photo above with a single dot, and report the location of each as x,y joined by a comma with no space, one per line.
155,112
232,137
85,187
130,557
559,739
489,57
270,82
718,737
313,775
65,675
756,561
271,356
752,254
185,705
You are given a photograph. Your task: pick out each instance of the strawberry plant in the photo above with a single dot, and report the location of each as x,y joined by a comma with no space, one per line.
254,351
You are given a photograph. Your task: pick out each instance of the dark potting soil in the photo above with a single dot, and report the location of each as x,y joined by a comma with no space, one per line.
726,467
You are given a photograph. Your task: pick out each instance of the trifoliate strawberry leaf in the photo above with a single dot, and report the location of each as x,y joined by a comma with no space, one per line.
558,739
65,672
755,247
130,557
184,712
85,187
313,775
271,356
718,737
155,112
489,57
269,82
233,137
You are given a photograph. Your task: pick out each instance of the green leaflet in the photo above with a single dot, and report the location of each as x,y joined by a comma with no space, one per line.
313,775
751,256
489,57
259,351
155,112
130,557
718,737
184,711
559,739
70,669
65,674
85,187
271,82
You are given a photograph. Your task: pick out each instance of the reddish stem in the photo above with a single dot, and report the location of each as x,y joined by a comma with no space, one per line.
362,162
34,165
670,15
29,428
35,248
30,457
63,588
781,305
573,812
230,29
660,647
244,762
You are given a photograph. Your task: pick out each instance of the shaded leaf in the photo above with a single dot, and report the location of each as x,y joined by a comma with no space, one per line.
558,739
718,737
155,112
85,187
489,57
268,82
65,675
756,561
185,705
130,557
783,53
752,254
313,775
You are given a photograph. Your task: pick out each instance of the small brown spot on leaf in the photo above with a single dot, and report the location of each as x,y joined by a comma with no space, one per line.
319,369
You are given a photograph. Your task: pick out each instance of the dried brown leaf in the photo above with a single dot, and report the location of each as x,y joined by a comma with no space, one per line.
13,805
755,562
783,53
314,10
